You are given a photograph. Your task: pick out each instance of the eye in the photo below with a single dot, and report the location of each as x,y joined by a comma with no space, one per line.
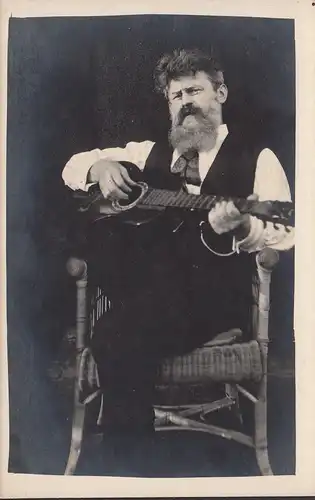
194,91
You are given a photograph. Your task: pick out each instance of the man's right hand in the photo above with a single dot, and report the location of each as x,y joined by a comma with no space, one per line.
113,179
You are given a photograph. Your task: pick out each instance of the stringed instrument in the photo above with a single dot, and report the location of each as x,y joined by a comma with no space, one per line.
146,202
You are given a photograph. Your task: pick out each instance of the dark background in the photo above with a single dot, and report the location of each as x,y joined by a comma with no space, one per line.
79,83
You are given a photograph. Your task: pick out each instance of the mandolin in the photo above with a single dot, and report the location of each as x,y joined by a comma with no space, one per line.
145,202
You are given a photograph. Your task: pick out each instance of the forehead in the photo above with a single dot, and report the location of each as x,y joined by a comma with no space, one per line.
199,79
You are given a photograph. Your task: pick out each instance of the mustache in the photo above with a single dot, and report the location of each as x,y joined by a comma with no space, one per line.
186,110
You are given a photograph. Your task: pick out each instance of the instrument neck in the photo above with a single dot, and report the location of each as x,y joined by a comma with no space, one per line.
182,199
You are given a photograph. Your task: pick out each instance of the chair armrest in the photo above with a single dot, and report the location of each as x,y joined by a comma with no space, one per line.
225,338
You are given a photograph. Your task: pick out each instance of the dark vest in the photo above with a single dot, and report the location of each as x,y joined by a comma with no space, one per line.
232,172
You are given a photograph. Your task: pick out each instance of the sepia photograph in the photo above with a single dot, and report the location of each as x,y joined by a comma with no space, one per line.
154,283
150,246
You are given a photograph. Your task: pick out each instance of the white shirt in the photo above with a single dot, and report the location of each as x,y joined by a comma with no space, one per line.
270,183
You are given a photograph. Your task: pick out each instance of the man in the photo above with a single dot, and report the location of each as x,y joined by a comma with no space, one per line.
177,282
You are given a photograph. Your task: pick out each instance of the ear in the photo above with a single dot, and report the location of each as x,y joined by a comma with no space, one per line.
222,93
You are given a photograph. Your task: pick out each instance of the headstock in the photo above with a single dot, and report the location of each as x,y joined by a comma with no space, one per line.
277,212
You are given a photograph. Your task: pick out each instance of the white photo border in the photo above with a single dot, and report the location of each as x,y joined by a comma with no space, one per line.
303,482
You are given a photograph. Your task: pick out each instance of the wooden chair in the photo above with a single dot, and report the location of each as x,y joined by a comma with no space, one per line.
226,360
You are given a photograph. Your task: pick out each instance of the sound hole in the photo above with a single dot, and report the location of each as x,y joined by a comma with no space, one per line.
133,196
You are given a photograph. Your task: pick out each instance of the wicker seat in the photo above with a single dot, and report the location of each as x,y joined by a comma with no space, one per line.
230,363
227,360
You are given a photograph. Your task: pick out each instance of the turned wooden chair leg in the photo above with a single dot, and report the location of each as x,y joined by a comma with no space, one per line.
266,261
76,435
261,433
261,438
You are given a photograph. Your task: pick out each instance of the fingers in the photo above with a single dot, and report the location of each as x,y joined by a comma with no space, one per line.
231,209
253,197
118,180
112,191
224,217
226,208
115,183
127,178
118,192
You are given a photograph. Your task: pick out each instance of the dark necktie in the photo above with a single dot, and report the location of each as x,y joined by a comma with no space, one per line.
187,165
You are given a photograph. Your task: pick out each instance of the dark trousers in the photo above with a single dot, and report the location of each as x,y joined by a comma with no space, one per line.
170,295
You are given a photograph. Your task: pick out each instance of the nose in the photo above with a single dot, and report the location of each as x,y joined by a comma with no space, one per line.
186,99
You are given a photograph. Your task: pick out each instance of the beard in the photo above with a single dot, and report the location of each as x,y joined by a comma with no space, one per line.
193,129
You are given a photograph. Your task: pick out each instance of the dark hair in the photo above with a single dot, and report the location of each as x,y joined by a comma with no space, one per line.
183,63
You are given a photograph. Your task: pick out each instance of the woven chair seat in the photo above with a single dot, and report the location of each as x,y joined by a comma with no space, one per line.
230,363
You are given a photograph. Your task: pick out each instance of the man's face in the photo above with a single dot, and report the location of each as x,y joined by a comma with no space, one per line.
191,97
195,109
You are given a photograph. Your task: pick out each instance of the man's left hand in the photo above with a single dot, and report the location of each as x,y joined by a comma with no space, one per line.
225,217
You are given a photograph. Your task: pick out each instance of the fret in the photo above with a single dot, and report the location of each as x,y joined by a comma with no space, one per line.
205,202
193,201
180,199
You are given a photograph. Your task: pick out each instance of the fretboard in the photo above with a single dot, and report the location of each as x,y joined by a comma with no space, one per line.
181,199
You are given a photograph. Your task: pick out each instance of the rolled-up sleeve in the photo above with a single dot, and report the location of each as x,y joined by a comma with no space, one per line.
270,184
76,169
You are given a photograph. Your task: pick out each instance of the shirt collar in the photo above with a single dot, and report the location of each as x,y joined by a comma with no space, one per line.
222,133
